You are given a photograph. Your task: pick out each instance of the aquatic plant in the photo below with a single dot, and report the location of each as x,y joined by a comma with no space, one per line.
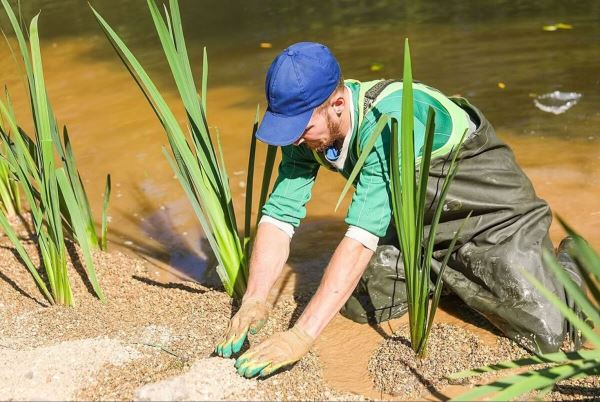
65,153
560,366
409,210
408,207
199,168
52,188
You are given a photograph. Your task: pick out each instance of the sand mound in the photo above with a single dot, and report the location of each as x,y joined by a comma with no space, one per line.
57,372
396,370
207,380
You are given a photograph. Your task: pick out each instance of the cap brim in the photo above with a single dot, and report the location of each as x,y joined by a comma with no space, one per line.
280,130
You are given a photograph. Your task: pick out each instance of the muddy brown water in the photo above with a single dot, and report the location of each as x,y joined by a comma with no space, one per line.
460,49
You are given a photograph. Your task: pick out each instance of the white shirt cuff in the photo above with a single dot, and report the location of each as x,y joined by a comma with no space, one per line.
368,239
287,228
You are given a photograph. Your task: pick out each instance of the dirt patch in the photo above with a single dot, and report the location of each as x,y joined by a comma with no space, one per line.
147,332
396,370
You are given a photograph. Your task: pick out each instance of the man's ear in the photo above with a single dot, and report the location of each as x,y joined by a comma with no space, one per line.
338,105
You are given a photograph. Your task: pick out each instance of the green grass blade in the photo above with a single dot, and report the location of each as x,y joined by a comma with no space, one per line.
566,311
516,385
21,146
83,202
227,283
105,202
43,128
453,168
557,357
407,161
395,179
20,39
80,227
204,79
182,50
571,287
583,251
381,123
266,181
542,378
226,199
439,284
249,186
12,236
168,19
424,170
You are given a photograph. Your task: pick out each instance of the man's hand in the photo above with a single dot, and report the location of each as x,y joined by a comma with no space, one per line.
279,350
251,316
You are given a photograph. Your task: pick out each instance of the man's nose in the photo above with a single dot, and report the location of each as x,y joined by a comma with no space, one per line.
299,141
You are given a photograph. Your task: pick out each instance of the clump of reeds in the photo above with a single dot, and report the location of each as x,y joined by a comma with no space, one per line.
408,208
546,370
198,165
52,186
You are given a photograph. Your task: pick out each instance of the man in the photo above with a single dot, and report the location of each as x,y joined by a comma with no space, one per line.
320,120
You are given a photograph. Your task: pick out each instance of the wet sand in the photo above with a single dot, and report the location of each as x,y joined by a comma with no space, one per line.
148,331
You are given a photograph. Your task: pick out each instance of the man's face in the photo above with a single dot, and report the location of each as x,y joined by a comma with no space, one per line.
322,130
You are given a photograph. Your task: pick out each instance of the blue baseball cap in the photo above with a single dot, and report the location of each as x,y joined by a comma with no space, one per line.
299,80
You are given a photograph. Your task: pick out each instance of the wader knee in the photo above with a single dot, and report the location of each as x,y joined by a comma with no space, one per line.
381,292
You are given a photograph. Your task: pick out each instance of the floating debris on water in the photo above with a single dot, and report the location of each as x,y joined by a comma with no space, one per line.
501,85
376,67
557,102
556,27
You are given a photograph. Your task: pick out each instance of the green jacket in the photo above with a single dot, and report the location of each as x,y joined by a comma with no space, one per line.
370,208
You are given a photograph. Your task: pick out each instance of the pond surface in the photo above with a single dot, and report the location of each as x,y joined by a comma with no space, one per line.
495,53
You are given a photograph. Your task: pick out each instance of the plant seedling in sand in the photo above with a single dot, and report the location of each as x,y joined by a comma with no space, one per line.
199,168
408,206
558,366
53,189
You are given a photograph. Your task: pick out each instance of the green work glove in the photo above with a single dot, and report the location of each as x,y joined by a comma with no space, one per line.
277,351
251,316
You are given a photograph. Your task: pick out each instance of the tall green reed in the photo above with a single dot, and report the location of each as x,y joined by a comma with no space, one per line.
198,166
558,366
52,194
408,208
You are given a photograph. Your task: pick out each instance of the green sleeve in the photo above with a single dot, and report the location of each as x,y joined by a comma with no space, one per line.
292,189
371,207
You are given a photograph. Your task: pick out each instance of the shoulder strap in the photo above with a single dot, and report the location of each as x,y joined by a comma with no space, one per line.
367,97
374,92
